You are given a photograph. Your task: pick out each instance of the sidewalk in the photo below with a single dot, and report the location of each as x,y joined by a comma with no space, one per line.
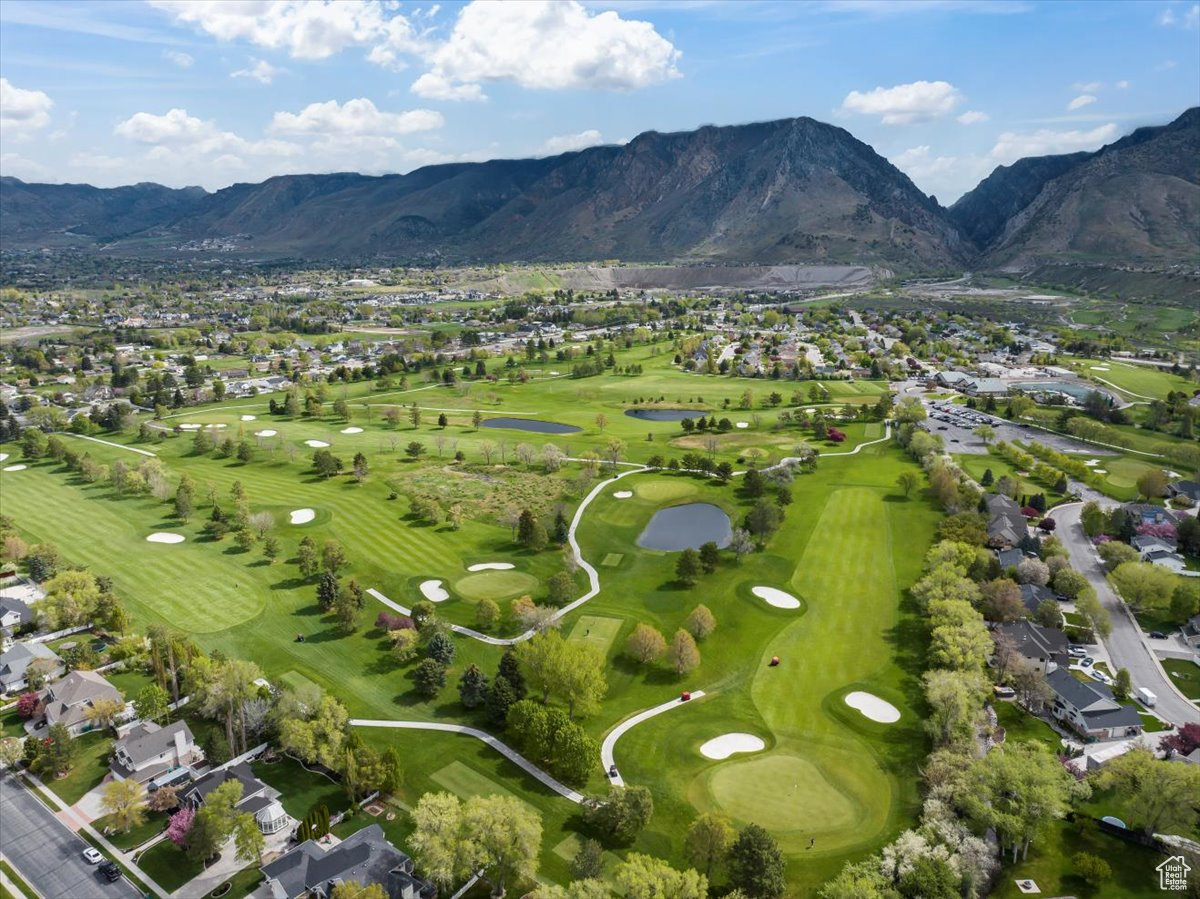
229,864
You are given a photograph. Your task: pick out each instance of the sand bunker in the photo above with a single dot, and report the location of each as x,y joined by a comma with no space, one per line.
1100,470
434,591
742,424
491,566
873,707
14,467
316,444
249,417
1092,463
265,433
1099,368
302,516
165,537
351,430
724,746
623,494
189,426
3,456
776,598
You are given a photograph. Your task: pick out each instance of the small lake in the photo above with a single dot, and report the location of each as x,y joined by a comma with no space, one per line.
531,424
688,526
664,414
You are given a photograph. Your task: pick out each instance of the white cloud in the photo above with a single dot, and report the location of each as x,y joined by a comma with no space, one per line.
305,30
1081,101
1088,87
259,69
973,117
920,164
178,131
354,117
1167,17
1122,85
905,104
18,166
436,87
1190,19
1011,146
1166,65
23,111
550,45
181,59
565,143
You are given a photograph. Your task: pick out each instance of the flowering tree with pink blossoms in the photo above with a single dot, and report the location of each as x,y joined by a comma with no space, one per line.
180,825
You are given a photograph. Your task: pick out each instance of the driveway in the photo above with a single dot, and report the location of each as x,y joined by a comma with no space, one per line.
1127,645
46,853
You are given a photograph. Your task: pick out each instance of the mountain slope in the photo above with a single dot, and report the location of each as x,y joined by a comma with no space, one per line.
1133,202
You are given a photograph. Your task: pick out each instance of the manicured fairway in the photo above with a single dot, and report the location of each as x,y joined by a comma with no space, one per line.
599,632
464,782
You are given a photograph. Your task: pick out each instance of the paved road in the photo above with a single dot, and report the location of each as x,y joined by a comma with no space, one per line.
610,742
46,853
1127,645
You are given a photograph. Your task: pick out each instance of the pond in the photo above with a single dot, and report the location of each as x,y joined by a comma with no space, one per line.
665,414
531,424
686,527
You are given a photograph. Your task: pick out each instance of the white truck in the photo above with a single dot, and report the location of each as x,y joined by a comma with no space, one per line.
1145,697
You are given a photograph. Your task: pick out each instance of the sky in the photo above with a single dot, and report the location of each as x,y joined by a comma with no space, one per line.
214,92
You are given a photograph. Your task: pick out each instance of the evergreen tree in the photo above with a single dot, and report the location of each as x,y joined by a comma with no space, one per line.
327,590
688,567
473,687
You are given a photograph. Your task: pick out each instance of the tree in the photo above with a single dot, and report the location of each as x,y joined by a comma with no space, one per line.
710,557
708,841
764,519
1116,554
404,644
270,548
907,481
102,712
487,614
688,567
328,588
622,816
1160,796
215,821
501,697
646,644
248,841
326,463
1048,614
1091,868
473,687
1001,600
1033,571
151,703
306,557
756,865
123,802
352,889
1152,484
701,622
360,467
643,877
164,799
986,433
559,587
682,653
1143,585
955,701
741,543
70,599
180,825
441,648
1122,685
430,678
530,532
588,862
1092,519
346,606
11,752
333,556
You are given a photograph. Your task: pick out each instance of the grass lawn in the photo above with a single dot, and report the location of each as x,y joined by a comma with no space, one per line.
1151,724
1049,865
1185,675
1133,381
129,681
12,725
302,789
168,865
975,464
153,825
1020,726
597,631
89,764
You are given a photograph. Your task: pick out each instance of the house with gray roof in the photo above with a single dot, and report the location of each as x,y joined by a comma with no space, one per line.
1006,525
1191,632
311,870
1088,708
257,798
14,615
1046,648
67,701
1190,489
14,665
148,752
1033,595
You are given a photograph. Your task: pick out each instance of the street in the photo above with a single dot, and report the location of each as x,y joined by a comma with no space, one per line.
46,853
1127,646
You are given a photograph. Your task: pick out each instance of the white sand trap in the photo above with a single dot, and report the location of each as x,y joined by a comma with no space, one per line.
810,411
623,494
189,426
873,707
743,424
316,444
491,566
266,433
249,417
14,467
351,430
724,746
434,591
1100,470
3,456
1092,463
777,598
165,537
302,516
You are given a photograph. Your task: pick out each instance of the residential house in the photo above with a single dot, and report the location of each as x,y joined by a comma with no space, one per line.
1145,543
67,701
365,856
1033,595
14,615
1046,648
148,752
257,798
1088,708
1006,525
1146,513
14,665
1165,559
1191,632
1190,489
1009,558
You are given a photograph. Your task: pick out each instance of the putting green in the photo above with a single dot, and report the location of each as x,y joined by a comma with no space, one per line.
495,585
661,491
782,793
596,631
464,782
612,560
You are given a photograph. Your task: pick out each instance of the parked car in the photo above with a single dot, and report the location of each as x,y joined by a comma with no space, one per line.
1077,652
1098,675
92,856
1087,662
110,872
1157,635
612,770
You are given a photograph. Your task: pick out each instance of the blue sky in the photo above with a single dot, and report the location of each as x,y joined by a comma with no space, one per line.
212,93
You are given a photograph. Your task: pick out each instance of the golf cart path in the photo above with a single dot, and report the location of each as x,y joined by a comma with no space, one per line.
140,452
507,751
610,741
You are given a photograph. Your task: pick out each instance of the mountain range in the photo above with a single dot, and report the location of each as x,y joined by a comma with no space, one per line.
793,190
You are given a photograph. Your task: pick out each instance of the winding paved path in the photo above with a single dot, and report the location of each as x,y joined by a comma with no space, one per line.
131,449
504,749
610,741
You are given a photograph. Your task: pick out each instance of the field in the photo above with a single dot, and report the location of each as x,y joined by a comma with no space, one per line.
848,548
1135,382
